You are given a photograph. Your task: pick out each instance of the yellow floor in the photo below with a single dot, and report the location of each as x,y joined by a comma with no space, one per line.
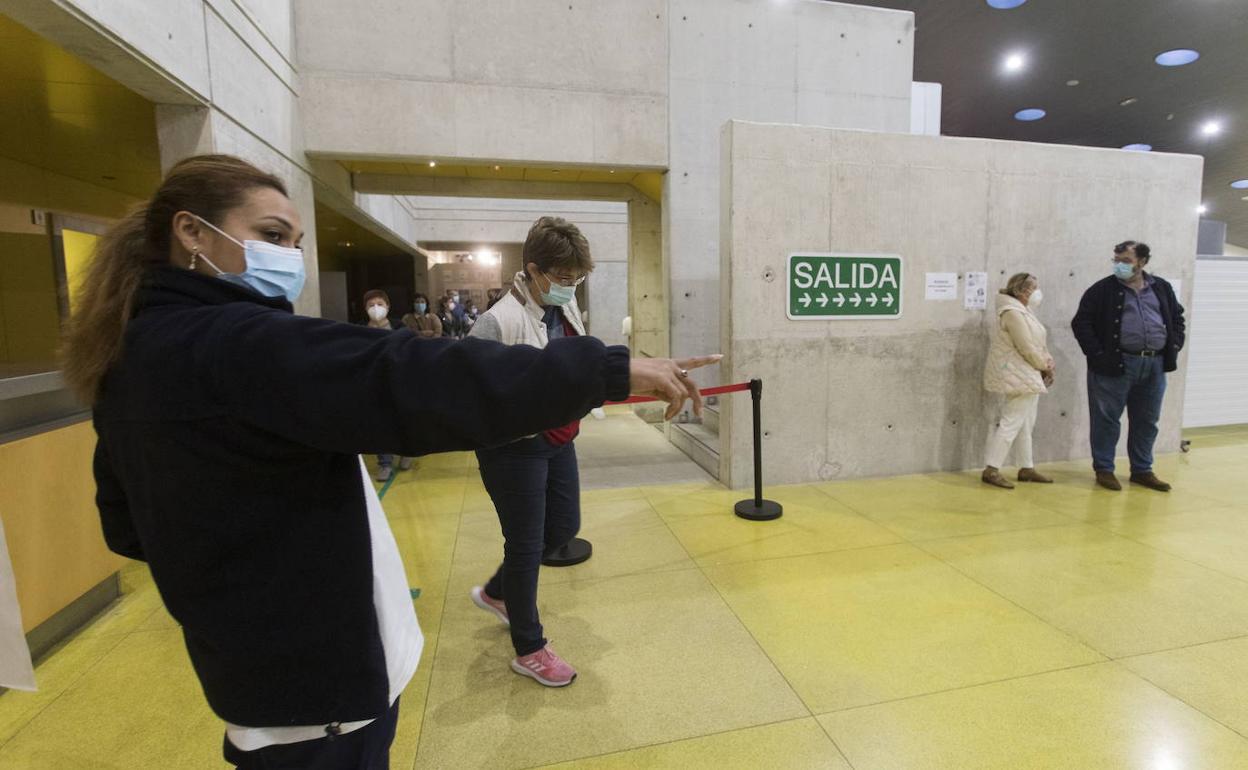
920,622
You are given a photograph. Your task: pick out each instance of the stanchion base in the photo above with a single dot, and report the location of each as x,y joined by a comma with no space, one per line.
575,552
769,510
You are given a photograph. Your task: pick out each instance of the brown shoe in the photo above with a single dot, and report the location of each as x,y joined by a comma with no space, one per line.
1150,480
1030,474
993,476
1108,480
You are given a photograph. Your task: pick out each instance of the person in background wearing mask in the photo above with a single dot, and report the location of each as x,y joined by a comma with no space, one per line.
1130,326
1021,369
451,325
456,306
230,430
421,321
377,306
534,482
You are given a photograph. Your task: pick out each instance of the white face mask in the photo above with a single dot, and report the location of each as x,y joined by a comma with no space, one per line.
1036,298
378,312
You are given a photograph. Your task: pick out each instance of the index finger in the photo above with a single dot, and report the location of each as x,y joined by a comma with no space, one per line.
698,362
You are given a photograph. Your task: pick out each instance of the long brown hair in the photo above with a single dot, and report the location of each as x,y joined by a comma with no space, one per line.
207,185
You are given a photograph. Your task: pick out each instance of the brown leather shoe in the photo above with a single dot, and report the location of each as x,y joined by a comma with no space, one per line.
993,476
1108,480
1150,480
1030,474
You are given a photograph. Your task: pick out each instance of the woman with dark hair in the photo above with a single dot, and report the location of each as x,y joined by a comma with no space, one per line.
422,321
1019,368
451,324
230,431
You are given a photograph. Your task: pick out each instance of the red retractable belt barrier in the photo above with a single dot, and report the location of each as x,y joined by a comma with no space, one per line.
755,509
716,391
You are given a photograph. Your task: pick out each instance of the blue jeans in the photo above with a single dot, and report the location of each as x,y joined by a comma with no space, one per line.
536,490
1140,390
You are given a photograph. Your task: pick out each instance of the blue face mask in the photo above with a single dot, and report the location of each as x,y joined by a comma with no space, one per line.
272,270
421,307
1123,271
558,294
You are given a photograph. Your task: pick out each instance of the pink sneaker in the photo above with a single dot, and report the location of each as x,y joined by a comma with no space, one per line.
546,667
493,606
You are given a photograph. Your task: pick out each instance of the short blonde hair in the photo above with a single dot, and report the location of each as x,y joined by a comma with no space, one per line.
1016,284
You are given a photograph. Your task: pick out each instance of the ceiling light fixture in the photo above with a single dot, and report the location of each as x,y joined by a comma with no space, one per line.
1138,147
433,164
1130,100
1015,62
1030,114
1177,58
1005,5
1240,184
1211,128
1072,82
1202,209
496,168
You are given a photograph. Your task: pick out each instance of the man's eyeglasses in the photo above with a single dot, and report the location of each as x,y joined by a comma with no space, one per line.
565,281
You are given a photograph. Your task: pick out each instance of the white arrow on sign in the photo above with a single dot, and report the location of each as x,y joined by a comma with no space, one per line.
873,300
823,300
857,300
805,300
888,300
840,300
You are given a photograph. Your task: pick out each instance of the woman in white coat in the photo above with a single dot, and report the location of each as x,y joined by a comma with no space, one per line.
1019,368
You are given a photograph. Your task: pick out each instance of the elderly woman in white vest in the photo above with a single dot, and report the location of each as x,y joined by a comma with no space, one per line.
1020,369
534,483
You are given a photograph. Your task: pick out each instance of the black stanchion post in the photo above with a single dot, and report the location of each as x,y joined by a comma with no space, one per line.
758,509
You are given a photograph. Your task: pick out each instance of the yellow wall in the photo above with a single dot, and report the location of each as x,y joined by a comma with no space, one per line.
79,249
47,503
29,312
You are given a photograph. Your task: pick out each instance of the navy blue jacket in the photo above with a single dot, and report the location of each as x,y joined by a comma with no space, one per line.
227,459
1098,325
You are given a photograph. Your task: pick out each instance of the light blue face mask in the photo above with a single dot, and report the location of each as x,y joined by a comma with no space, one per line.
1123,271
421,307
558,294
272,270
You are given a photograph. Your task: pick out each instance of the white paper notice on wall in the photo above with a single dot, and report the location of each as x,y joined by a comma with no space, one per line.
16,671
976,291
941,287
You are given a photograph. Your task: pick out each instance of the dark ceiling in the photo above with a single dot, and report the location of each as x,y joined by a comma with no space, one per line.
1108,46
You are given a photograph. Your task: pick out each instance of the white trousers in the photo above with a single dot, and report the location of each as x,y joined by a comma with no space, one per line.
1018,419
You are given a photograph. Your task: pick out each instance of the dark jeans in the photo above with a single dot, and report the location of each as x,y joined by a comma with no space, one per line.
536,490
367,748
1139,389
385,461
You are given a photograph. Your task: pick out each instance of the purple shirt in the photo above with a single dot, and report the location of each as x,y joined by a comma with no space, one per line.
1143,326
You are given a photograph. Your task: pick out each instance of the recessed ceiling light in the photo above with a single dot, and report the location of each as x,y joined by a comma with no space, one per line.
1202,209
1130,100
612,171
433,164
496,168
1170,116
1177,58
1072,82
1005,5
1240,184
1030,114
1139,147
1211,128
1015,62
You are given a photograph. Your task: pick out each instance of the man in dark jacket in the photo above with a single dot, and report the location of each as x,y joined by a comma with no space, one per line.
1130,326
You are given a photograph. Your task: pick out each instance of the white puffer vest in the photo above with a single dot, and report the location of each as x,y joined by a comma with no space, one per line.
1007,371
520,317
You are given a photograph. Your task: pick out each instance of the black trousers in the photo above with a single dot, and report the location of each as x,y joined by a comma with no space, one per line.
536,491
365,749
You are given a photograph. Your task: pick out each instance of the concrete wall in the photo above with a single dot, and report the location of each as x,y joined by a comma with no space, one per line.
807,62
484,221
892,397
544,80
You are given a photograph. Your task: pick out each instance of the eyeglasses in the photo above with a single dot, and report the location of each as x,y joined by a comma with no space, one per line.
565,281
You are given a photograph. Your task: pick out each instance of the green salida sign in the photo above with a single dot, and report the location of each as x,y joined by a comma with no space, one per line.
844,286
